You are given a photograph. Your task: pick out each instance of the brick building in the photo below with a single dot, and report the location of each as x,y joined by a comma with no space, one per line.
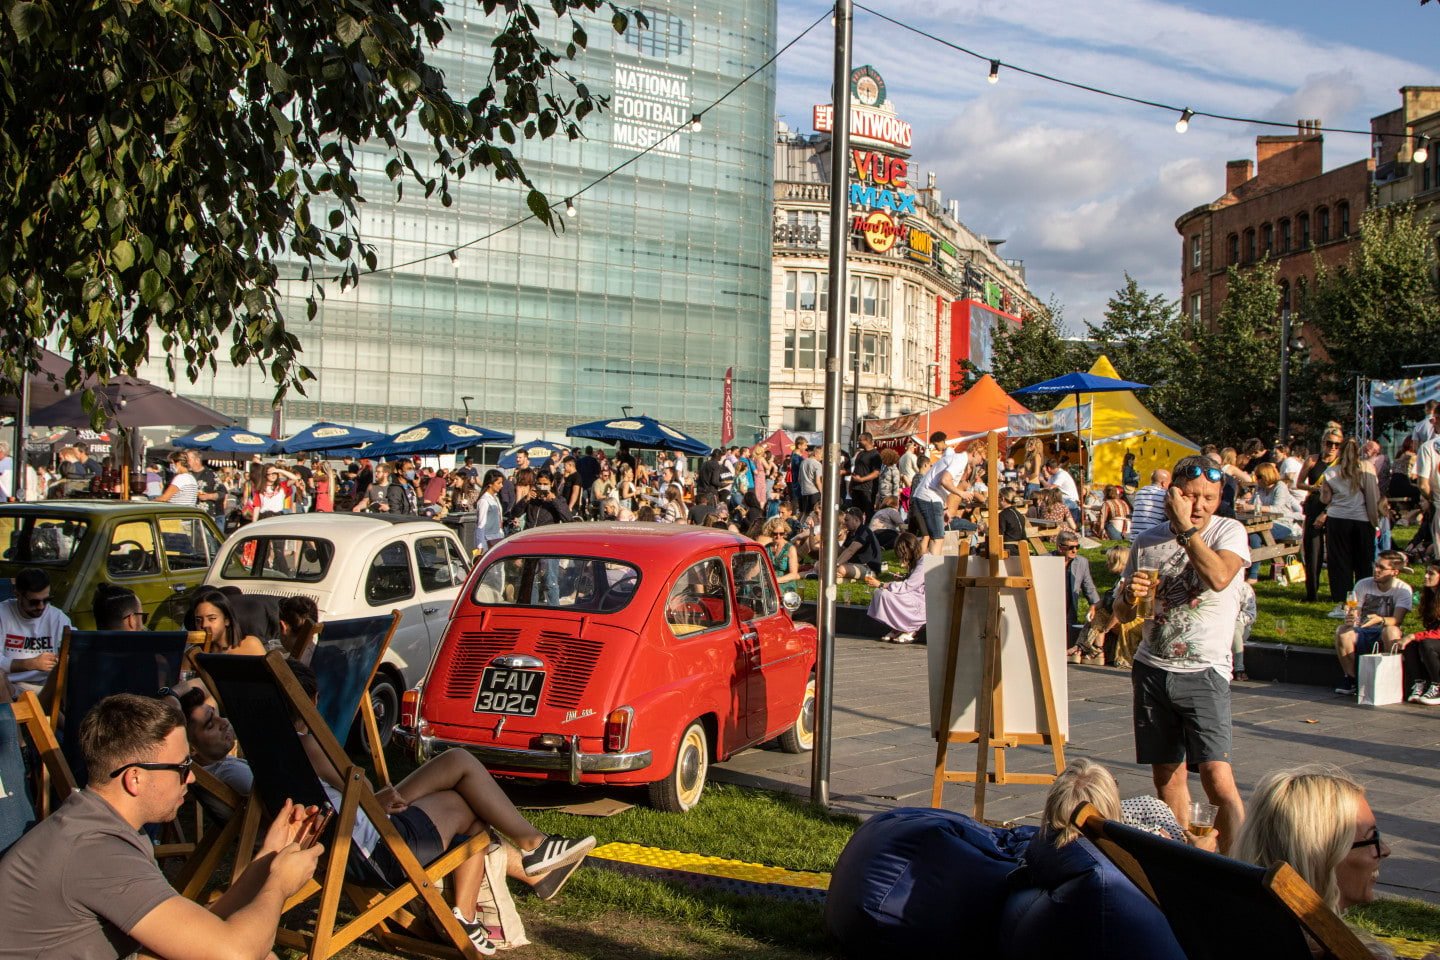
1398,176
1285,207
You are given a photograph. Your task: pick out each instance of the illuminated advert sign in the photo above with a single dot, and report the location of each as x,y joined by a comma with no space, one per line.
876,126
881,182
880,230
647,107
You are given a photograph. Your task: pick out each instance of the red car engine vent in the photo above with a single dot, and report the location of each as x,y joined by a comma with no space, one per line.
459,676
571,661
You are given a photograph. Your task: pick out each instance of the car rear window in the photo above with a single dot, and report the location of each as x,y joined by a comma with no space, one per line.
43,541
296,559
582,584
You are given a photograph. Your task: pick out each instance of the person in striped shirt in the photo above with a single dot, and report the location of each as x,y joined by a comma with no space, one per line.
1149,506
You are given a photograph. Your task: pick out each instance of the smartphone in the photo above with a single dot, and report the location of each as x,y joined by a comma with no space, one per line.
314,826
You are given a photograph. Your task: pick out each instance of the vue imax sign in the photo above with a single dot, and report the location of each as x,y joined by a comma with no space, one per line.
882,178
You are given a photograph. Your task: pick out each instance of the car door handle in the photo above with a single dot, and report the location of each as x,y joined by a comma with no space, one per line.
178,587
429,610
749,635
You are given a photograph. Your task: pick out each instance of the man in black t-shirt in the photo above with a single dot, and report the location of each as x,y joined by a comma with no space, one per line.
865,476
209,494
861,556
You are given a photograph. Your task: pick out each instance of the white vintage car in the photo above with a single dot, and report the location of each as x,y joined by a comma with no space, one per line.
357,565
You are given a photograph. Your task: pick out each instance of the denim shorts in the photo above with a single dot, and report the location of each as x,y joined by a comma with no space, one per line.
932,517
1180,717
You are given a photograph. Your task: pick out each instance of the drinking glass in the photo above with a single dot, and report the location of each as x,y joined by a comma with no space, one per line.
1146,606
1202,817
1282,626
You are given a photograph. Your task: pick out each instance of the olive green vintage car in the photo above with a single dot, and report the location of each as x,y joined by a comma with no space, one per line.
158,550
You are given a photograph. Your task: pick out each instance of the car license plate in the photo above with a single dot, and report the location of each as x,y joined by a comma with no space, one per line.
514,692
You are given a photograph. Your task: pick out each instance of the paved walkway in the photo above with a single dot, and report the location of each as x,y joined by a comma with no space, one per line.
883,756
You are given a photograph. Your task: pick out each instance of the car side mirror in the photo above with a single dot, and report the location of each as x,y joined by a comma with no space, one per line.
791,600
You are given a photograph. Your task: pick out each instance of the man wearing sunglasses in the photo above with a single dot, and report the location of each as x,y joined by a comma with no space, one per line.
1190,568
83,883
32,628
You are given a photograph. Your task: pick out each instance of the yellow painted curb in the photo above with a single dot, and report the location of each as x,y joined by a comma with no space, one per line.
641,856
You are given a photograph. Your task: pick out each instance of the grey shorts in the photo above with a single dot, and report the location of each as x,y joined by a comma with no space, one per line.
1180,717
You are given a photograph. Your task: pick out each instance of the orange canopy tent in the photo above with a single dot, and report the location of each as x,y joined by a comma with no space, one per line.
982,408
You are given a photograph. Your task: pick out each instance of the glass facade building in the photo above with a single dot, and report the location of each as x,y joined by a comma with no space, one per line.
658,285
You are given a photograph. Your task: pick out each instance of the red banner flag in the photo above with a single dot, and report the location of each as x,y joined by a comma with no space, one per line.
727,409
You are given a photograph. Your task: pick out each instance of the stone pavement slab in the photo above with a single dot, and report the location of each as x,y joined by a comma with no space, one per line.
883,755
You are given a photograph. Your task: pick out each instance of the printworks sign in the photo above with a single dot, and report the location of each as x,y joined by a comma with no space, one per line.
872,118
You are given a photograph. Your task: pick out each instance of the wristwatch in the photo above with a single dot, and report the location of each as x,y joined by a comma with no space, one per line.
1183,537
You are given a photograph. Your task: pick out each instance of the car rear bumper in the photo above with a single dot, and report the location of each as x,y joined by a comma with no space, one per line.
572,760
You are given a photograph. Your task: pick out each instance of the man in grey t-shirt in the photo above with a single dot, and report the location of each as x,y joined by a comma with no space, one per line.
84,883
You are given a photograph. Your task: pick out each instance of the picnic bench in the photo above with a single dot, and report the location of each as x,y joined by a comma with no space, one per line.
1269,548
1041,534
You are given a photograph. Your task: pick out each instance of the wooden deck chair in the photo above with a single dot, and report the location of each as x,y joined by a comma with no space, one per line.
262,699
17,812
345,661
1261,912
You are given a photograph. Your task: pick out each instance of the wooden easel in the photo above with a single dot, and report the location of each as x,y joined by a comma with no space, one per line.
991,706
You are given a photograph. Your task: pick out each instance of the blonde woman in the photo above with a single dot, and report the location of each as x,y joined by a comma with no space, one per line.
775,538
1316,819
1351,496
1082,781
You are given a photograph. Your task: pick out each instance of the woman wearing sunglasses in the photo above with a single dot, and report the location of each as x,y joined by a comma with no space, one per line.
1313,538
1316,819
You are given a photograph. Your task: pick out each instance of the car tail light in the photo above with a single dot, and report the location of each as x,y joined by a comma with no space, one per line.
410,708
617,729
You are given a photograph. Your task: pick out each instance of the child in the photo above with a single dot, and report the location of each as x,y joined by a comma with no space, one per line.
1103,622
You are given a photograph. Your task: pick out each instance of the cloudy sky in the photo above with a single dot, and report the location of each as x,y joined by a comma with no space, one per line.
1085,188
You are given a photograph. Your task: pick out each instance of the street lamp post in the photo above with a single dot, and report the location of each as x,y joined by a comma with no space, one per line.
855,400
834,405
1284,430
465,418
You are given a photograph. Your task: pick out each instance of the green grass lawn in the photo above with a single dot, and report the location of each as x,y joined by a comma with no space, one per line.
1284,616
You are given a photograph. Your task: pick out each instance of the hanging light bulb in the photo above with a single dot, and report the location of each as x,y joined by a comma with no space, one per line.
1183,123
1421,153
569,207
695,125
994,71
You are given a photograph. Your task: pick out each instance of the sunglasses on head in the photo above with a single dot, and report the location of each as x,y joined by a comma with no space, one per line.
1194,471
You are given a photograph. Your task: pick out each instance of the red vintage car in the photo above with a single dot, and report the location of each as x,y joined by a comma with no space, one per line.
618,653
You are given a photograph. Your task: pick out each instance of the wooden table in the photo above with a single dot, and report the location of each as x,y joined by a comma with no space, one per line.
1269,549
1041,534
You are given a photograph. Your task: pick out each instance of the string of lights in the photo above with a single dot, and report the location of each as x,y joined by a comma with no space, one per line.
694,125
1186,113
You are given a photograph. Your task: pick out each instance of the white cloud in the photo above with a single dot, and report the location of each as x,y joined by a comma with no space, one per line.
1084,187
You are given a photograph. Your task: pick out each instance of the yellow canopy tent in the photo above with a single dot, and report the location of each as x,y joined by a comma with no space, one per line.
1122,425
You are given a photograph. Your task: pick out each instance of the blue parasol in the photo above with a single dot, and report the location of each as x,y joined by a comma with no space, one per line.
539,451
1078,383
642,431
228,440
436,435
326,436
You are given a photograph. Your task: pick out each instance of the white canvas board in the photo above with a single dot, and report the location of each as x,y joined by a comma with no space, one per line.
1022,710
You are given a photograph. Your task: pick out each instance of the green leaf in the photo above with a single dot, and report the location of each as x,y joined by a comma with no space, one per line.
276,76
406,81
539,205
27,19
619,22
115,211
122,255
150,286
348,29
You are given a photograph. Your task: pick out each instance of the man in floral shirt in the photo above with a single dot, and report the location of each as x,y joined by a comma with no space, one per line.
1190,568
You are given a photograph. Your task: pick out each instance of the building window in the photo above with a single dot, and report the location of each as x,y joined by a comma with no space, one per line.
873,350
802,419
1195,252
1232,247
1195,302
807,290
1284,296
1284,236
870,296
789,360
1301,288
1250,245
1322,225
666,35
1342,214
1424,176
1304,221
1267,239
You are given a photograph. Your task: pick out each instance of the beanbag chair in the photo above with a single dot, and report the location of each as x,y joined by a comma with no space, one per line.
1072,902
916,882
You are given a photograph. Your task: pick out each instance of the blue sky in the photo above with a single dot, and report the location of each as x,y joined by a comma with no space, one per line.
1085,188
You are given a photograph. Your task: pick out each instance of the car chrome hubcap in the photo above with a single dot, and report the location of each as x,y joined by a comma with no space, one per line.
807,715
690,776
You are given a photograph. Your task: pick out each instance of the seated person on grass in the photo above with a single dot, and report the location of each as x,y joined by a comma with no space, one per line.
84,883
860,556
1383,602
449,797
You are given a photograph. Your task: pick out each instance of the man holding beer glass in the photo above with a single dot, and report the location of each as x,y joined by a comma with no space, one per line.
1183,576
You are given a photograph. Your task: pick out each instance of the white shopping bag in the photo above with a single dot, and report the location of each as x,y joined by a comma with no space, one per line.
1382,678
